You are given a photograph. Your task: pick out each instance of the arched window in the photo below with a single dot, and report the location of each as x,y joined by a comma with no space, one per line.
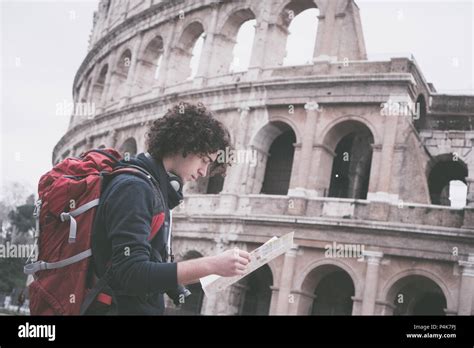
302,37
243,48
257,293
417,295
196,56
215,184
148,68
85,93
352,162
333,290
186,54
129,148
234,43
279,164
118,86
99,86
447,180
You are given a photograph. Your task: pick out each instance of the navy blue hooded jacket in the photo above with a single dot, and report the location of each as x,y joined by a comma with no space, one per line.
140,273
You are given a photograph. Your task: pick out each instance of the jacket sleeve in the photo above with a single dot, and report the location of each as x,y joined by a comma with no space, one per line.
128,216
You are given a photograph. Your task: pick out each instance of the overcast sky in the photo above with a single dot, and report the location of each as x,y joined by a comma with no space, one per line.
43,44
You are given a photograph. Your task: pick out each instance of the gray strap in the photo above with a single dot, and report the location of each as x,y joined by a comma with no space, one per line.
32,268
70,217
168,244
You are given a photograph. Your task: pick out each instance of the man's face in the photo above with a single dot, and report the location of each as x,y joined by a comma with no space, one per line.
193,166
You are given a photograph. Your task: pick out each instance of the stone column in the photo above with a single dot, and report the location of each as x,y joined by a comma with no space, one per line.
466,291
286,281
324,158
207,50
470,191
235,180
385,161
306,154
225,302
371,281
274,301
303,303
163,77
136,49
258,49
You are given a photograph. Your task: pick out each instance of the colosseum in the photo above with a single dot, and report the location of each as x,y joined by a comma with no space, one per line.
356,156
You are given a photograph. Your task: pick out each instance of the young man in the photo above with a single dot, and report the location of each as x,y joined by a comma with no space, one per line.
182,146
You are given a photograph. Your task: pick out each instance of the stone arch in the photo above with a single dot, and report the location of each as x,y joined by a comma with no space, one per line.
215,184
297,6
301,40
85,92
348,157
120,74
440,171
148,65
191,254
274,173
335,262
393,285
226,41
280,21
99,86
256,292
129,146
324,133
180,68
327,288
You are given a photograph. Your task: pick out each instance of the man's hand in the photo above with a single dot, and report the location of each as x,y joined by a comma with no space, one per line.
231,263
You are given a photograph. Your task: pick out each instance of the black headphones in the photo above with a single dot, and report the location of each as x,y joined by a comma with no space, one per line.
175,181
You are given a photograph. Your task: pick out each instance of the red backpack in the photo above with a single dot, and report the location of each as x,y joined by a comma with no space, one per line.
69,195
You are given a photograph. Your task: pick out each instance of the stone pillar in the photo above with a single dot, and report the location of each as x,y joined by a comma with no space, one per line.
235,180
303,303
111,80
258,49
255,175
323,157
274,301
225,302
306,154
470,191
207,50
136,49
371,281
102,102
384,163
390,131
375,167
466,291
286,281
163,77
93,78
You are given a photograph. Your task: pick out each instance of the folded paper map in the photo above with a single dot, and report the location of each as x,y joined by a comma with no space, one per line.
273,248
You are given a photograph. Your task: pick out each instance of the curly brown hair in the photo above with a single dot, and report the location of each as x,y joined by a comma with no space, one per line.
189,129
